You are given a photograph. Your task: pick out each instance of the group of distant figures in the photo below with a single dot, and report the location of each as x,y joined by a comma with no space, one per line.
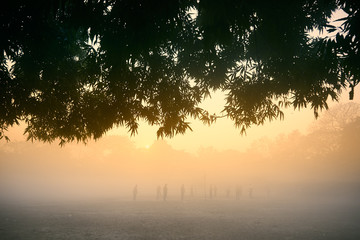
162,192
159,194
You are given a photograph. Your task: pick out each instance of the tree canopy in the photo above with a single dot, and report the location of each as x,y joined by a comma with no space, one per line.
71,70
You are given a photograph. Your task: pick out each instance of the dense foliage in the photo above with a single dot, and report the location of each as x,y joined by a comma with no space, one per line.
71,70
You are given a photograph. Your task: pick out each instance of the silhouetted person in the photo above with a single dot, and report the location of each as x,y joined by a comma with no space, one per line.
238,192
165,190
182,192
158,193
135,191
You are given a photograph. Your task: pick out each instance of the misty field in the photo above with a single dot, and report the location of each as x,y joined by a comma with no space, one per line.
286,218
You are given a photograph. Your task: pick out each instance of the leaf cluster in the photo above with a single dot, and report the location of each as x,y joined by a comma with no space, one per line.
72,70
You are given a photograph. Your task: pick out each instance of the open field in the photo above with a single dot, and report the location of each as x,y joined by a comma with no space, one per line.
321,218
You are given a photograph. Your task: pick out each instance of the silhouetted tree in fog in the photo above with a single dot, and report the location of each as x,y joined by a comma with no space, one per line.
328,130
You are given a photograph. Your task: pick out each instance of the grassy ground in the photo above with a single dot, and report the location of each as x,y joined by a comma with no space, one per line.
217,219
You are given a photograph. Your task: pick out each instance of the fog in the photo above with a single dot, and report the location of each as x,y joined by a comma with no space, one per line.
324,161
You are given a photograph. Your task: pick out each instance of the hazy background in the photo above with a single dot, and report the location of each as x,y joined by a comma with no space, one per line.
296,156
